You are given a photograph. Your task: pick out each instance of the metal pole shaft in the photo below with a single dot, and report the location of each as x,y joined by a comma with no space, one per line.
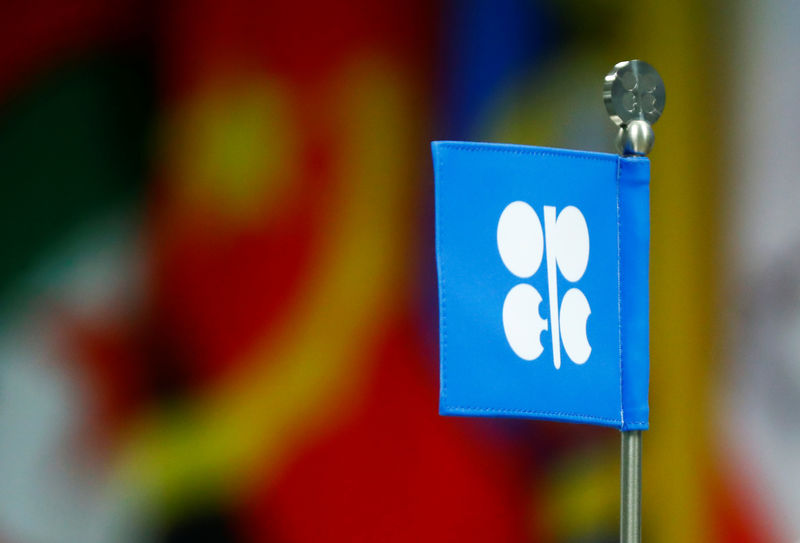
630,522
634,96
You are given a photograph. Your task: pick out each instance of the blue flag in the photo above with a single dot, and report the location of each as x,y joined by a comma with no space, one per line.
543,283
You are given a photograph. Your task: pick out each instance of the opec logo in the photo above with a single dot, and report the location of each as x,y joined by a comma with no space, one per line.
564,242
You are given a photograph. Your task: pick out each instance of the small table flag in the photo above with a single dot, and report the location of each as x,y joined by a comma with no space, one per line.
542,259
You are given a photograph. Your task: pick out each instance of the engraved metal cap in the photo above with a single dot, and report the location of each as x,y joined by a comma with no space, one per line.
634,96
633,90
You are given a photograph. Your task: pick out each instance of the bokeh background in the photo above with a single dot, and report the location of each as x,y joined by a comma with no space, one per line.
217,288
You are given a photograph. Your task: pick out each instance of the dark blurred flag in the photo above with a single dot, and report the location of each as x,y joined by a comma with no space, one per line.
284,229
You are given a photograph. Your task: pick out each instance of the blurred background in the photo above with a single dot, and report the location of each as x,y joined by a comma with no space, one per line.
218,313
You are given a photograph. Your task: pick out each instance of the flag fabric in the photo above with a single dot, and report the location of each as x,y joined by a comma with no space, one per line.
543,283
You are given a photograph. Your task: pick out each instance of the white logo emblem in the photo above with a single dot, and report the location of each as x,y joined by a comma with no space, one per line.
522,243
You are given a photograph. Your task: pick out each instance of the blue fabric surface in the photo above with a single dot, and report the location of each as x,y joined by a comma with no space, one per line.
490,362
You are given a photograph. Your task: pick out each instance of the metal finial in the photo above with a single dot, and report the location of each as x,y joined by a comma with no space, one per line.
634,96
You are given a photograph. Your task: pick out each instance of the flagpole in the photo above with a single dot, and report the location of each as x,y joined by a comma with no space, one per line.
634,139
630,519
634,96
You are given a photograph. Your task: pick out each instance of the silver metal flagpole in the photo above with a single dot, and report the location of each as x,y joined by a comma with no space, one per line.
634,96
630,512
